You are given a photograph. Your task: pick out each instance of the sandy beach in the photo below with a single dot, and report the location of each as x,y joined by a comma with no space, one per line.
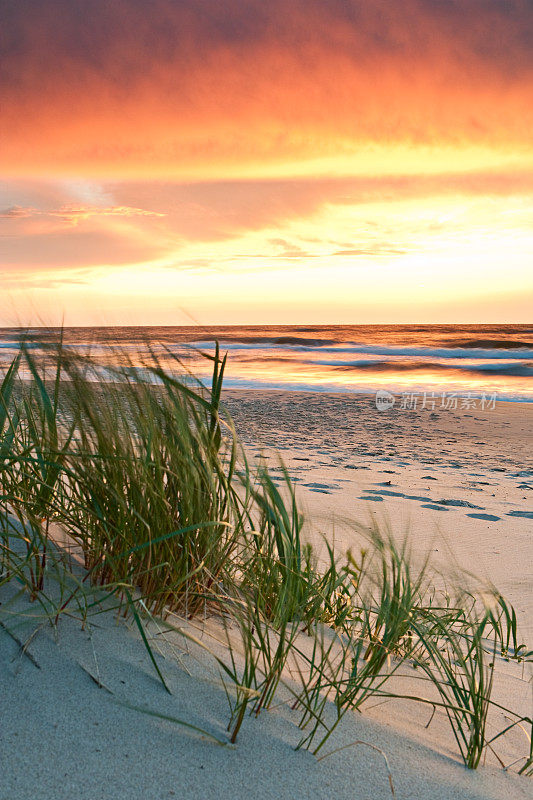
459,482
64,734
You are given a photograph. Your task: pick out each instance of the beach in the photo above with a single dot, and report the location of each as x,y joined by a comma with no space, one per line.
457,481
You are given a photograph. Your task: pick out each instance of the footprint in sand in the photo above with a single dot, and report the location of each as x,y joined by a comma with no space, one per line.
401,494
324,488
459,503
524,514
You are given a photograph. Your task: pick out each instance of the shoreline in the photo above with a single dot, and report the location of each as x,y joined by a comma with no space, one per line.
364,394
327,393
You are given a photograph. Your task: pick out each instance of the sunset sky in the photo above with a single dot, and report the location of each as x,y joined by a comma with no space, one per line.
289,161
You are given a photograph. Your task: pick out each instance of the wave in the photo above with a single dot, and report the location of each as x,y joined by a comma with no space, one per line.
519,370
523,370
379,350
432,352
300,341
501,344
228,341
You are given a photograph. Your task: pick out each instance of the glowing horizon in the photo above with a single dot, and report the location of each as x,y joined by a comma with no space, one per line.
231,163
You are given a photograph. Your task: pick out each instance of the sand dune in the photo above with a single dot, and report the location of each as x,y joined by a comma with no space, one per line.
454,483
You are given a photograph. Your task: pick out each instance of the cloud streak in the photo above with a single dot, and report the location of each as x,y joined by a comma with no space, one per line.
74,213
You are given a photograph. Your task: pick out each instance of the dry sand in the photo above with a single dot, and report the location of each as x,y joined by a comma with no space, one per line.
459,482
64,737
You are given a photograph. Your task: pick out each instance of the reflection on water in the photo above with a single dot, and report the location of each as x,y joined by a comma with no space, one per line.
360,358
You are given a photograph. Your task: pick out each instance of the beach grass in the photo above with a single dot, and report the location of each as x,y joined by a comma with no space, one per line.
133,486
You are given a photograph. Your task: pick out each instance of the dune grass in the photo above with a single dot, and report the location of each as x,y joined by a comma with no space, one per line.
144,475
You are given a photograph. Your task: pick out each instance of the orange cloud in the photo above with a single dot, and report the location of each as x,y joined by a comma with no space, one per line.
202,89
207,225
223,225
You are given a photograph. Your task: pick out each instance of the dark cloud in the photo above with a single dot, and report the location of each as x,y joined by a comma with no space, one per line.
116,39
17,212
140,83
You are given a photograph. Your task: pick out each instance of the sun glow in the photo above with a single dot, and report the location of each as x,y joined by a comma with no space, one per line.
422,254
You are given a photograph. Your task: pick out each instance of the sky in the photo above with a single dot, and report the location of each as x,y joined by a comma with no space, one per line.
290,161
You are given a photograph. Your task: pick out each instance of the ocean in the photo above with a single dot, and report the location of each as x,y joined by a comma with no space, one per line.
463,360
